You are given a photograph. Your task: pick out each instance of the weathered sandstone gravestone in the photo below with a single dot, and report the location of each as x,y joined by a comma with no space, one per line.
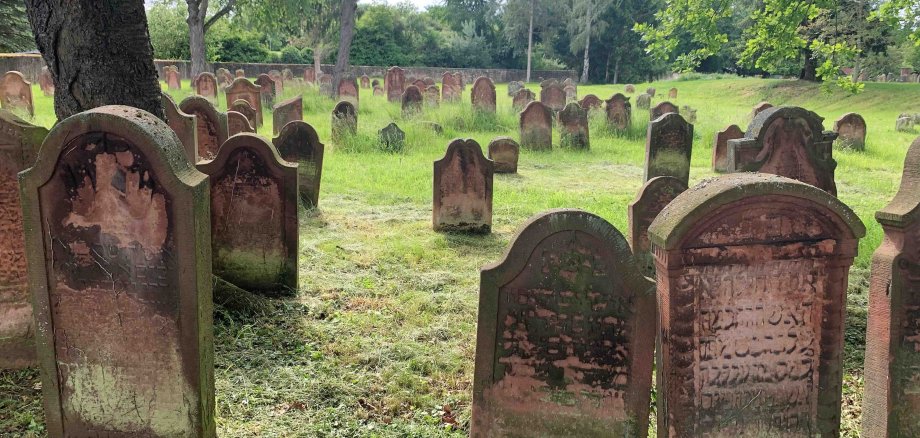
672,93
237,123
243,107
482,95
224,77
522,98
643,101
514,87
274,74
420,83
668,147
287,74
412,101
630,88
720,147
348,90
184,125
206,85
458,78
254,234
309,75
240,73
463,189
650,91
566,334
365,81
395,83
651,199
19,144
432,96
571,93
790,142
752,280
378,91
392,139
619,112
428,81
851,132
573,126
536,127
241,88
325,85
504,152
120,273
761,107
286,112
548,82
553,96
450,87
892,342
299,143
266,90
16,94
211,124
344,120
173,79
662,109
591,102
46,82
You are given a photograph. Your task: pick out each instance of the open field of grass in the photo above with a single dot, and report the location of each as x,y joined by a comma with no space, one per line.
380,339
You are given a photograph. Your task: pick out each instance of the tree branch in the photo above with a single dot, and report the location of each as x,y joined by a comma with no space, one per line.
223,11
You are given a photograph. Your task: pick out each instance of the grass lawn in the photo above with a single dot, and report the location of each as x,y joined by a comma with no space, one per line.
380,339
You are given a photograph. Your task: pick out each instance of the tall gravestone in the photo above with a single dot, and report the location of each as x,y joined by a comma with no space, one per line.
348,90
120,273
395,83
720,147
237,122
241,88
16,94
504,152
668,148
790,142
536,127
482,95
522,98
573,124
266,90
463,189
752,280
566,334
432,96
553,96
173,79
412,100
619,112
309,75
662,109
243,107
344,120
211,124
643,101
286,112
654,195
184,125
450,87
19,144
46,82
206,85
851,131
224,78
299,143
365,81
591,102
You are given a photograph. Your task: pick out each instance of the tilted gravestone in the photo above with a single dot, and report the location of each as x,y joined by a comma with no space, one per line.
761,107
851,131
173,79
211,124
668,148
344,120
184,125
591,102
243,107
619,112
790,142
395,83
365,81
432,96
482,95
206,85
412,101
266,90
536,127
254,227
299,143
286,112
120,273
309,75
672,93
752,280
392,138
553,96
450,87
348,90
19,144
46,82
573,127
720,147
662,109
522,98
654,195
237,122
566,334
463,189
643,101
241,88
630,89
504,152
16,94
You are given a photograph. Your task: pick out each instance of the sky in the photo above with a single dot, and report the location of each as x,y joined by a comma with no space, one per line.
419,4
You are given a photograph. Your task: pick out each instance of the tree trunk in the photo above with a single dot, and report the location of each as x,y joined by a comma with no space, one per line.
317,62
584,71
810,68
345,36
530,40
197,9
616,71
98,53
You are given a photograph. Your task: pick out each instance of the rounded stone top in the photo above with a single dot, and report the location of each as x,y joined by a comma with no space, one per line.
905,207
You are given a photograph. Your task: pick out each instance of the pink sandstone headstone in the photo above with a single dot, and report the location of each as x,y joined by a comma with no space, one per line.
238,123
173,79
522,98
654,195
650,91
463,189
206,86
46,82
566,334
761,107
752,280
504,152
720,147
450,87
619,112
299,143
420,83
630,89
211,123
662,109
348,90
16,94
224,78
344,121
553,96
482,95
241,88
571,93
573,127
184,125
266,90
365,81
591,102
378,91
309,75
243,107
536,127
851,131
286,112
395,83
672,93
668,148
240,73
432,96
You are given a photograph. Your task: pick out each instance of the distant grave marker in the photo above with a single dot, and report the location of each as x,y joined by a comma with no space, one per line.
395,83
662,109
654,195
299,143
504,152
392,138
206,85
16,94
211,124
243,107
643,101
365,81
573,124
522,98
851,131
553,96
266,90
619,112
344,120
286,112
482,95
720,148
184,125
591,102
46,82
536,127
348,90
412,101
241,88
238,123
668,148
463,189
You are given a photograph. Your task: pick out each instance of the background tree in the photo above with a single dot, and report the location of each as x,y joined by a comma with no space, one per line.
525,19
302,23
584,25
15,34
346,34
198,25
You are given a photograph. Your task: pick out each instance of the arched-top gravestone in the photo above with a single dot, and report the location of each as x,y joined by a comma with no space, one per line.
365,81
206,85
761,107
243,107
553,96
522,98
790,142
378,91
286,112
482,95
412,100
348,90
630,89
120,273
548,82
752,279
428,81
46,82
654,195
591,102
668,147
619,112
504,152
309,75
16,93
344,120
184,125
720,147
266,90
211,124
643,101
240,73
893,336
237,122
392,138
573,124
420,83
241,88
662,109
571,93
287,74
514,87
650,91
19,144
395,83
463,189
672,93
299,143
851,131
254,227
536,127
566,334
450,87
173,79
432,96
224,78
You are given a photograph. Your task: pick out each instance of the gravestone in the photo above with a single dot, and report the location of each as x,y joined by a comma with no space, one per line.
514,87
672,93
287,75
752,279
428,81
573,127
553,96
662,109
365,81
482,95
536,127
851,132
450,87
548,82
650,91
689,113
240,73
243,107
392,139
654,195
378,91
266,90
420,83
241,88
325,85
571,93
224,77
463,189
395,83
630,89
211,123
522,98
566,334
668,148
720,147
412,101
619,112
344,120
16,94
458,78
348,90
761,107
254,227
274,74
206,86
173,80
299,143
238,123
184,125
375,83
309,75
286,112
591,102
432,96
643,101
122,289
46,82
504,153
19,144
790,142
904,124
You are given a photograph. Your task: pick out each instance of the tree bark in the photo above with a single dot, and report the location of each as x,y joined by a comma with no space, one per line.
588,20
98,53
317,62
530,40
810,68
345,36
616,71
197,9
